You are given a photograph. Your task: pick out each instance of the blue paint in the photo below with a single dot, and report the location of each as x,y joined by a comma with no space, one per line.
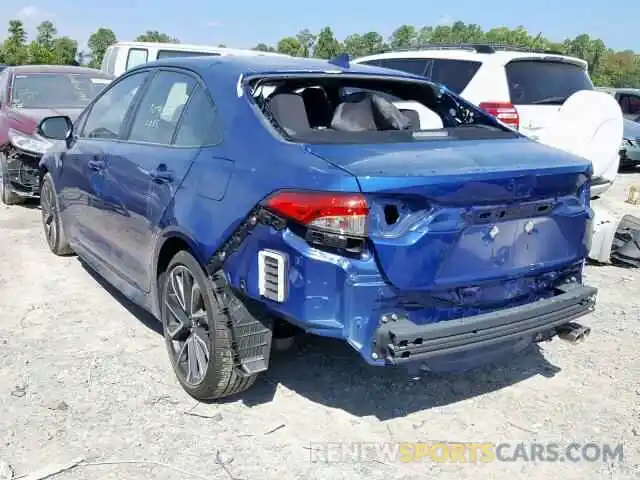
435,263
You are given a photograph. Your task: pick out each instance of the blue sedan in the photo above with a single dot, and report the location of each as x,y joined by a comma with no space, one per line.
239,197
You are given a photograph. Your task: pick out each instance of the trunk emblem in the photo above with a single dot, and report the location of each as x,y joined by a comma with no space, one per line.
493,233
529,226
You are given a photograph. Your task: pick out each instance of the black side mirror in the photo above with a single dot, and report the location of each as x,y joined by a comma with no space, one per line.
56,128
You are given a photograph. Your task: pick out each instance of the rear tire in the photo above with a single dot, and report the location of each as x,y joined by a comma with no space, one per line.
200,345
7,196
51,222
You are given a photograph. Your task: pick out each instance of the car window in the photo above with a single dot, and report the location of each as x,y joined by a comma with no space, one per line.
182,53
454,74
417,66
630,104
56,89
536,82
199,124
161,107
136,56
107,115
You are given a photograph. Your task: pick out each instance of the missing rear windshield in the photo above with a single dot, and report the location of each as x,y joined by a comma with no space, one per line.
357,109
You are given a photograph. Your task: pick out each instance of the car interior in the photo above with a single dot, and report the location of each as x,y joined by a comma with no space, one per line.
302,108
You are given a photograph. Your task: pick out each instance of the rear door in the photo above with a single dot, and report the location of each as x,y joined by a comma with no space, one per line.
538,86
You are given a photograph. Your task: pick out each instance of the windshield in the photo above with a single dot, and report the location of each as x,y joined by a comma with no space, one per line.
55,90
541,82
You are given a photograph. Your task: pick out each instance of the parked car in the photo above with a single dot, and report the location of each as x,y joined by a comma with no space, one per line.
227,211
629,100
123,56
630,148
27,94
2,67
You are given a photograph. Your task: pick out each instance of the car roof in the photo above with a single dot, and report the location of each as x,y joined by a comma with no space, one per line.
190,47
501,57
234,66
19,69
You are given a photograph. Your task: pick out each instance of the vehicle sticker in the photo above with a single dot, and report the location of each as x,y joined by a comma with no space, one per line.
100,81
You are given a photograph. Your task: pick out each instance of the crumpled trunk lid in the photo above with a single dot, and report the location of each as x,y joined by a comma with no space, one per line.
458,213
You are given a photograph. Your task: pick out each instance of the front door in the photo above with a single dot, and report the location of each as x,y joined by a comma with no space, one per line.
144,172
84,183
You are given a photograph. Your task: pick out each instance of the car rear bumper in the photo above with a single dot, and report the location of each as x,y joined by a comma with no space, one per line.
348,298
402,341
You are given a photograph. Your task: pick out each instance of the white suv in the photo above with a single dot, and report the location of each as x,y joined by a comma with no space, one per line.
522,88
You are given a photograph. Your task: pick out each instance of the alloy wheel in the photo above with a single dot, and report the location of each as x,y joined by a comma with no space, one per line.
187,329
48,211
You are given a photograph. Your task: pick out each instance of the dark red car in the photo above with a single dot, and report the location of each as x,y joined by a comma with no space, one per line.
29,93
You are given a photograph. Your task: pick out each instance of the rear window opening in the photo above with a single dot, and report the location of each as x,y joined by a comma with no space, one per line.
545,82
364,109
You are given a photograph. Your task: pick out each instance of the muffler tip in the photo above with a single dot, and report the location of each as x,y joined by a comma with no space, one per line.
573,333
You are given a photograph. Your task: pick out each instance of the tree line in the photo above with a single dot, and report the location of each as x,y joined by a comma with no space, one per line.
607,67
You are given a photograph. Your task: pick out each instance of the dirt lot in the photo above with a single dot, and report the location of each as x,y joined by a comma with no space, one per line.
83,374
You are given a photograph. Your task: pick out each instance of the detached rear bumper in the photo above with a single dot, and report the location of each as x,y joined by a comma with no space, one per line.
402,341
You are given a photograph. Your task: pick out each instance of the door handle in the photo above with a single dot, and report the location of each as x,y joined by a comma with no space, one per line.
96,164
162,175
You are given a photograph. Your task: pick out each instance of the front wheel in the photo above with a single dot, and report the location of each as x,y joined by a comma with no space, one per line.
51,222
198,335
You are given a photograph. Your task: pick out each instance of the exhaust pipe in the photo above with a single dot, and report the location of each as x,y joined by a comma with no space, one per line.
573,333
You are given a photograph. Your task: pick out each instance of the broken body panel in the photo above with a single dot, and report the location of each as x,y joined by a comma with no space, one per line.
473,250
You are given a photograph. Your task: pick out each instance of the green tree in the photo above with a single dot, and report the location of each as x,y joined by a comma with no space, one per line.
98,44
65,51
326,46
156,36
355,46
404,36
263,47
14,48
306,40
39,54
46,34
374,43
289,46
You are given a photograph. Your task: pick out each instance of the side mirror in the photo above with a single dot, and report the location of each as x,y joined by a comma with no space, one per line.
56,128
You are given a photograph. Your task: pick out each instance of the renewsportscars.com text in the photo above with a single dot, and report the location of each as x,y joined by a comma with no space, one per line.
469,452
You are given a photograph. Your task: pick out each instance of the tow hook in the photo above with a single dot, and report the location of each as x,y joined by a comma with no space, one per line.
573,333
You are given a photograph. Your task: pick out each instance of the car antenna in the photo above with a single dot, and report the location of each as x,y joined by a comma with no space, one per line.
341,60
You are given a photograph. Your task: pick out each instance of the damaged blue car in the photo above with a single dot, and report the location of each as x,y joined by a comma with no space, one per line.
235,197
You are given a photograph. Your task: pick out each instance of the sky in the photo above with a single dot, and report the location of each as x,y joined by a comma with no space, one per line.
246,23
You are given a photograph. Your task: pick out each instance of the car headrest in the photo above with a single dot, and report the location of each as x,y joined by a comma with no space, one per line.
289,111
363,111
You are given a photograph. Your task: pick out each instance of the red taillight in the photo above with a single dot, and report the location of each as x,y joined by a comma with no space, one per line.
503,111
340,213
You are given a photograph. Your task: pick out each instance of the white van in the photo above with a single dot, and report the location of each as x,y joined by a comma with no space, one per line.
122,56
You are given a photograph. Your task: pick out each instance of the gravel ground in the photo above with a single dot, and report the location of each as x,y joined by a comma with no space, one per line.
84,374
